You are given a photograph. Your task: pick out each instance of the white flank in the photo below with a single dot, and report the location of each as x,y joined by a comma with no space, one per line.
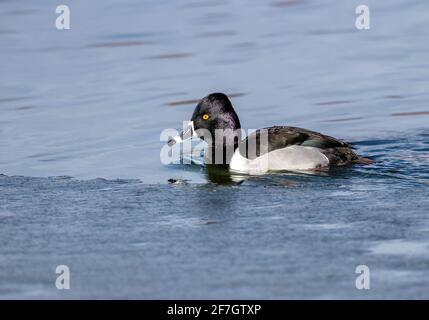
293,158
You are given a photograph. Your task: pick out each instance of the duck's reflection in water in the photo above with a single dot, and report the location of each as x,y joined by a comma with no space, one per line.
220,174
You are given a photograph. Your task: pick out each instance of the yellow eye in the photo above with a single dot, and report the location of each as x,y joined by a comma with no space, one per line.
206,116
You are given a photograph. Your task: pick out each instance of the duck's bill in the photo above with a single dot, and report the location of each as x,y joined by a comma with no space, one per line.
186,134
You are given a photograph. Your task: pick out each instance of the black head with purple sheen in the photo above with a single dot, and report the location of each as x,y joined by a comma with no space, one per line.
215,112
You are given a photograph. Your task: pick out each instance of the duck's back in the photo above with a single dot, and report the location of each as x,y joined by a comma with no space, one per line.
291,148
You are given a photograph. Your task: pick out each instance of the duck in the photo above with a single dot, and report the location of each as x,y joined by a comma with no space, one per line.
270,149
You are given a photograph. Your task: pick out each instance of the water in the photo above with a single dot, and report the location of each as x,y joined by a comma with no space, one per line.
81,112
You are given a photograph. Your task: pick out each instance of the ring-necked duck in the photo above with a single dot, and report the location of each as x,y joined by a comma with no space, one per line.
285,148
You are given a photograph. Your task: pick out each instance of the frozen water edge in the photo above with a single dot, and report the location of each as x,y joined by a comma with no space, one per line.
133,240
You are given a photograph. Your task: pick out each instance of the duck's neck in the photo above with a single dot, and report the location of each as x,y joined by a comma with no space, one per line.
223,147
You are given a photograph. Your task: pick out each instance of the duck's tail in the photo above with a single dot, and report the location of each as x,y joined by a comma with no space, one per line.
363,161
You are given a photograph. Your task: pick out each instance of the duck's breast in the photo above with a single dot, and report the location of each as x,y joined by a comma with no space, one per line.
291,158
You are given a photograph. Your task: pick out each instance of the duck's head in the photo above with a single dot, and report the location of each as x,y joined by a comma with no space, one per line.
213,112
